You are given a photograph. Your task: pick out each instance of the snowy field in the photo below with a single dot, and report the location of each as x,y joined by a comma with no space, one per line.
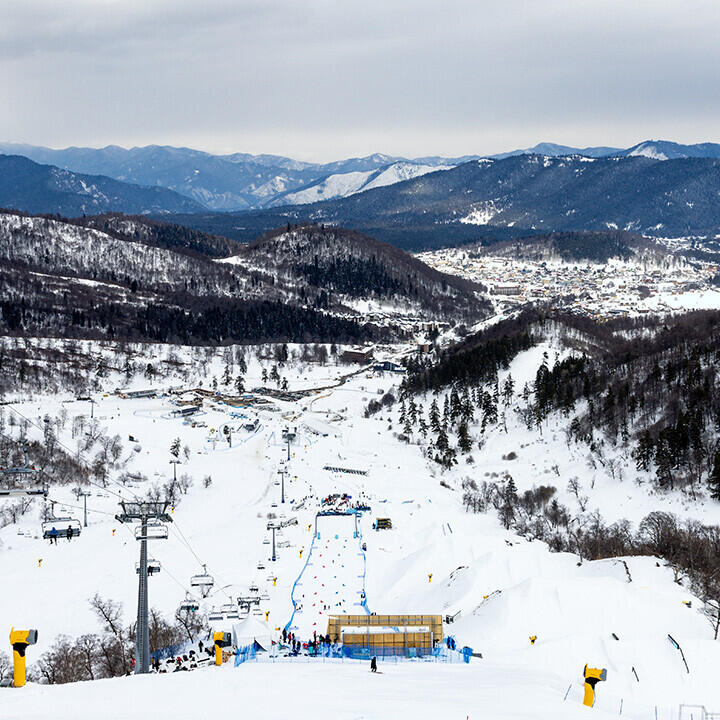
326,691
437,559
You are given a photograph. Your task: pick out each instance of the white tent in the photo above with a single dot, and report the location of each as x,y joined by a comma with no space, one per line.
252,630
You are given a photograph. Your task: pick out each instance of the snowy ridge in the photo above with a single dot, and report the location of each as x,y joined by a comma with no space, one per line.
346,184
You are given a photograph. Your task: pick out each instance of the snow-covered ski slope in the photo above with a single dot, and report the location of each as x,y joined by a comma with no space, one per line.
436,559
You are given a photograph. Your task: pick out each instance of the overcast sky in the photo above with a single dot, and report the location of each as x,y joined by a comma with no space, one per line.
324,79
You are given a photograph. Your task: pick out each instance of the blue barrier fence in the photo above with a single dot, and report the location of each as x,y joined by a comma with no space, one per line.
243,654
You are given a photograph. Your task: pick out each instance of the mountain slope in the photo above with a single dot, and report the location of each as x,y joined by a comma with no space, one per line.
28,186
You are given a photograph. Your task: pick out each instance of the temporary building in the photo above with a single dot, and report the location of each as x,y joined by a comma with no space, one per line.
252,631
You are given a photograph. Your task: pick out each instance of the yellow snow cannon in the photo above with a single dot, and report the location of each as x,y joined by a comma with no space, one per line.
221,640
592,677
20,639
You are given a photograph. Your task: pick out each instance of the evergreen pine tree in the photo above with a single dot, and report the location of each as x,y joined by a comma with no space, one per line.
434,416
714,477
508,389
464,440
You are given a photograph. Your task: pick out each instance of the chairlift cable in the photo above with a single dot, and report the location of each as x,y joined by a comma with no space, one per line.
78,507
175,526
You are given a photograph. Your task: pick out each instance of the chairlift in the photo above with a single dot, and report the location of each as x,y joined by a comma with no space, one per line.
189,604
230,611
254,588
25,469
153,530
14,481
6,491
152,565
204,581
260,565
215,615
66,527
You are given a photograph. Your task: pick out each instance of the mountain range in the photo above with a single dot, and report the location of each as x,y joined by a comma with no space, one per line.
240,181
492,200
30,187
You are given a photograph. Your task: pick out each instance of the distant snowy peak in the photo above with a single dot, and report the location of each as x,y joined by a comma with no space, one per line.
649,150
340,185
333,186
399,171
667,150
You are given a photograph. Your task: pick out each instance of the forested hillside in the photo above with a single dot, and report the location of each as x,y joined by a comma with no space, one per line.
582,246
622,402
66,280
29,187
126,278
330,261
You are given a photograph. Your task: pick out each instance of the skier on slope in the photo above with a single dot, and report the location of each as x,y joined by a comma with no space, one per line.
373,664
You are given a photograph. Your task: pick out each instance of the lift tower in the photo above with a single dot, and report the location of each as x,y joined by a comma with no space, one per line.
152,517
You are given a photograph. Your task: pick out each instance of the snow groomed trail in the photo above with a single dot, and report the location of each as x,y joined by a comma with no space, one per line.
332,581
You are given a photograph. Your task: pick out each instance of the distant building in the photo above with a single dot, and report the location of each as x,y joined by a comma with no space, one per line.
388,366
506,290
185,411
137,393
358,355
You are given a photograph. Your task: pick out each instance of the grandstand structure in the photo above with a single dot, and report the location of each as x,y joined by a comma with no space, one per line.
387,635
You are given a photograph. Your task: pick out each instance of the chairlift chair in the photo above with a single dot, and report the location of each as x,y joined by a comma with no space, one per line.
215,615
154,530
230,611
153,567
7,491
189,604
65,526
203,581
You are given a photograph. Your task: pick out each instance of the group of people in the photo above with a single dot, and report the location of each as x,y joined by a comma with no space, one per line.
312,646
187,661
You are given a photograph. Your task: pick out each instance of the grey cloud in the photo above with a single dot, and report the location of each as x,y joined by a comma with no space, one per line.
323,79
